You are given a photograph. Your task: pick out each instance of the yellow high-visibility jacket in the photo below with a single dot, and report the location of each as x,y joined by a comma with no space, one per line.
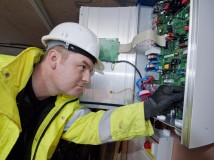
122,123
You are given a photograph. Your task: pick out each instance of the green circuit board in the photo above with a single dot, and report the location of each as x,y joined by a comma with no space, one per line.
171,19
173,57
109,49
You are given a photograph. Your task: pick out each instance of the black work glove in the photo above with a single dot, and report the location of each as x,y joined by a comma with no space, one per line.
162,99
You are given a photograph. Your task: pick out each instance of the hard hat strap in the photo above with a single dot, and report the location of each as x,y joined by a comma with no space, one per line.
72,48
76,49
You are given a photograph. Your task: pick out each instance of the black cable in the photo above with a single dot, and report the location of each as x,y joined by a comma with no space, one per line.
99,103
131,65
14,45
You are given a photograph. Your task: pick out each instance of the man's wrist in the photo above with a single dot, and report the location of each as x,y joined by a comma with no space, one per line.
147,109
150,108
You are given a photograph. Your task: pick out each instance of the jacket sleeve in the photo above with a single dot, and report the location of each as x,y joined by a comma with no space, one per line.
118,124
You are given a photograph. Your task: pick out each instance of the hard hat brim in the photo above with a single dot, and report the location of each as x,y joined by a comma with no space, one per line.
99,65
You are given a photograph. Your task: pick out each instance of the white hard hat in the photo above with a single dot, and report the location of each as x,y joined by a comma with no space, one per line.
78,39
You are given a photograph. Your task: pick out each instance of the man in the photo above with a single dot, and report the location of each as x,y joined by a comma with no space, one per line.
39,98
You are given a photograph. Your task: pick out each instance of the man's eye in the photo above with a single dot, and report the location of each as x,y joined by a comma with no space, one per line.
82,67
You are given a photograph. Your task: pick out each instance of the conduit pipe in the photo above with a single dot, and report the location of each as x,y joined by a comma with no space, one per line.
41,11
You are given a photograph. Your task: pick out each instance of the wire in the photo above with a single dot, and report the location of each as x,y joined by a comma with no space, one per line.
112,92
99,103
128,63
14,45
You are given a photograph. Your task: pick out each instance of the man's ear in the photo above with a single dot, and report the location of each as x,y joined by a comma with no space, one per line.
53,57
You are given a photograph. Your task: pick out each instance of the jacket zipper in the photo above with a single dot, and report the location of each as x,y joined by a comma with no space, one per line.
49,125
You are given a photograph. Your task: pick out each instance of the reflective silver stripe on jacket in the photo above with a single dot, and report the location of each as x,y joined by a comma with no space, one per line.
105,127
80,112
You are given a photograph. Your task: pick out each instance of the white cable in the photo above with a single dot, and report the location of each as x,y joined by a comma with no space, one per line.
141,37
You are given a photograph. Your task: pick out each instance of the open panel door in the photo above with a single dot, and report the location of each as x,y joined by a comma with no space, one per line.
198,127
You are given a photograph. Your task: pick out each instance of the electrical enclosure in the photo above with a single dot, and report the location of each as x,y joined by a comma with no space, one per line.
185,61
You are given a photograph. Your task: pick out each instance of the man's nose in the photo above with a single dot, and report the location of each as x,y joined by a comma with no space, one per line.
87,76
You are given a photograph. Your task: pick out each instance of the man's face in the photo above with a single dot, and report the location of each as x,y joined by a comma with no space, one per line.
73,74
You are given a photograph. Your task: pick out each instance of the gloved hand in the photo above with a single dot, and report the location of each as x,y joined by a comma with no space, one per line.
162,99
